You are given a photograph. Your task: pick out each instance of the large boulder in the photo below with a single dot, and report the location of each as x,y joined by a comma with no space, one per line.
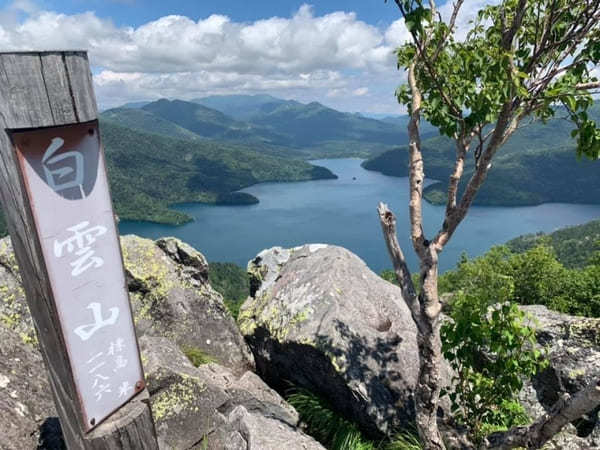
573,345
319,318
208,407
171,297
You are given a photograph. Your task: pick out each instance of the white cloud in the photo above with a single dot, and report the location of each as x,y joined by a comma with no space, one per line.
468,13
333,56
397,34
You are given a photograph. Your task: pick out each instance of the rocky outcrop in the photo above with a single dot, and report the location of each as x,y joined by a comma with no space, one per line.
573,345
171,297
170,294
209,407
14,313
27,414
320,319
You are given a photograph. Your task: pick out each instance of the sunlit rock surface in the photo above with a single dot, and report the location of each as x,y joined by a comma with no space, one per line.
210,407
321,319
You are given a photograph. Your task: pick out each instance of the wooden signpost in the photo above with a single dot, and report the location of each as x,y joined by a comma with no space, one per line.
54,192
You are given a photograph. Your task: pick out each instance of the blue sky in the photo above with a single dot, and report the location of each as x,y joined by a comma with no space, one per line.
339,53
138,12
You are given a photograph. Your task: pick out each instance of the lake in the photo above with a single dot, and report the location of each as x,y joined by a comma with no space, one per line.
344,212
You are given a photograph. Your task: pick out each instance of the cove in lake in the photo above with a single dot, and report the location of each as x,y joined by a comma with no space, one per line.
344,212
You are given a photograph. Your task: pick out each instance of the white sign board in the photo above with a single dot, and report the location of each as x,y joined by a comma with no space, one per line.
64,173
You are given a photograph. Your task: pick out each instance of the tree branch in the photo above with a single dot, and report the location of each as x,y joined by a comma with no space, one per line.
451,25
536,435
509,35
388,226
416,172
504,128
587,86
420,46
461,152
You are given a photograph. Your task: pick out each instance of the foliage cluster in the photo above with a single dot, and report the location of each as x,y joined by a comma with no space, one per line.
497,65
489,341
536,276
232,282
335,431
490,347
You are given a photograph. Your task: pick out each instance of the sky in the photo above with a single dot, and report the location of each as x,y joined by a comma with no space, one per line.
339,53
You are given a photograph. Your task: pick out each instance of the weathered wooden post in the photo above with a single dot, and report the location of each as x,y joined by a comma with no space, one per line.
54,192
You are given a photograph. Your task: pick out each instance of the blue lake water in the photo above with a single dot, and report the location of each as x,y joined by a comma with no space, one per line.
343,212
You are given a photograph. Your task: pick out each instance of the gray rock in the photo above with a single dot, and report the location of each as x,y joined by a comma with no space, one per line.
573,345
27,414
171,297
170,294
209,407
319,318
14,312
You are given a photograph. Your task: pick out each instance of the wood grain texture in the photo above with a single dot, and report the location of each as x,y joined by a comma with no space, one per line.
82,88
42,90
128,428
56,79
27,104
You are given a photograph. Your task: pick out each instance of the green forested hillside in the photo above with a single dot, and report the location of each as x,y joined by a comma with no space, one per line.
532,178
210,123
141,120
574,246
149,122
148,172
313,129
242,107
537,165
147,169
232,282
310,125
307,125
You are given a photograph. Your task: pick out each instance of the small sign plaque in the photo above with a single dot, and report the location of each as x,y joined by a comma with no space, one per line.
65,176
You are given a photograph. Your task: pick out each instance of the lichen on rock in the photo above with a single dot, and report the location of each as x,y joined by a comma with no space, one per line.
171,297
321,319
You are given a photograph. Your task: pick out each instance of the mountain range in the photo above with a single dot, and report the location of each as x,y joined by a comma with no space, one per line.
270,124
169,151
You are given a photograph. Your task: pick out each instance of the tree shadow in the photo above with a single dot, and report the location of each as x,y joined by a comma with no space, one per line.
51,437
364,378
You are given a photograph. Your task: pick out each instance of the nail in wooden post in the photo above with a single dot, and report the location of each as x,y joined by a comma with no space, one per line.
54,193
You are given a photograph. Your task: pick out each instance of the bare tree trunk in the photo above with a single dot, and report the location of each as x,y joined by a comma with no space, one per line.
425,309
430,355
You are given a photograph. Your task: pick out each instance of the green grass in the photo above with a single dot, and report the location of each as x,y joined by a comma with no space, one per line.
336,432
197,356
